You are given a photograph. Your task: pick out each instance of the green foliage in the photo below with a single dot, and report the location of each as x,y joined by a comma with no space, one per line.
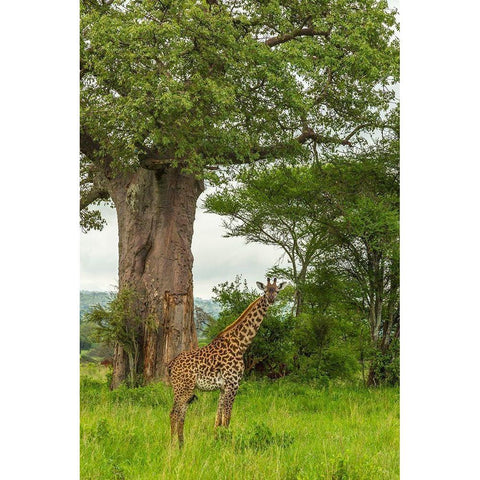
340,362
274,206
386,365
91,220
312,333
201,86
338,225
329,342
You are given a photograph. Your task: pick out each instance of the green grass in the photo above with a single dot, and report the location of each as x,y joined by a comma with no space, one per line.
279,430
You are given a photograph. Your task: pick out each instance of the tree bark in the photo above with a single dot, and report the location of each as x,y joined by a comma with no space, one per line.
156,212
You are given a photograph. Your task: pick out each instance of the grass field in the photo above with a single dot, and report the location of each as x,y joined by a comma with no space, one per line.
279,430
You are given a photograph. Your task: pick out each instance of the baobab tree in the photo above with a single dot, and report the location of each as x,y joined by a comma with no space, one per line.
174,94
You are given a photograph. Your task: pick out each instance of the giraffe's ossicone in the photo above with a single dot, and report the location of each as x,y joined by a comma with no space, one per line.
218,365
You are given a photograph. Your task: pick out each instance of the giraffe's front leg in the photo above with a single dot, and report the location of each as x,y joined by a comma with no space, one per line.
228,399
218,418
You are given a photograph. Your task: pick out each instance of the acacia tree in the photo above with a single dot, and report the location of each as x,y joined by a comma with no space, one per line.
337,219
173,91
281,206
365,238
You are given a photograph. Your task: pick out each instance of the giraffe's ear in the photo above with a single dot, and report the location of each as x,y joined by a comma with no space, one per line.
282,285
260,285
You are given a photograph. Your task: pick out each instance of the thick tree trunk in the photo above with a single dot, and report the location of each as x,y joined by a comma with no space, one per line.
156,211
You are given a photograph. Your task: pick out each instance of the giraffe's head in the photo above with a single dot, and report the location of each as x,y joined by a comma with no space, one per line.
271,289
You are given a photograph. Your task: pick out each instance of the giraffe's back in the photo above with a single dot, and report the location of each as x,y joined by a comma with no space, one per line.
211,360
206,367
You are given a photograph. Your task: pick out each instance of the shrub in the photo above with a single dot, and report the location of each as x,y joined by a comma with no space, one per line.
120,322
340,362
385,368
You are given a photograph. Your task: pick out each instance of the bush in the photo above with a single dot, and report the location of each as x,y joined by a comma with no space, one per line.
322,352
340,362
312,333
385,367
121,322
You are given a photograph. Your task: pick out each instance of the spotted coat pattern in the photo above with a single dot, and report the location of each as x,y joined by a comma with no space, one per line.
218,365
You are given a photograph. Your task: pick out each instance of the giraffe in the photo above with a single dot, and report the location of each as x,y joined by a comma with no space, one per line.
218,365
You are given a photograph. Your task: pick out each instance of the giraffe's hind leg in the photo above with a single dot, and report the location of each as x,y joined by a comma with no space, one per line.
218,418
177,418
174,414
183,388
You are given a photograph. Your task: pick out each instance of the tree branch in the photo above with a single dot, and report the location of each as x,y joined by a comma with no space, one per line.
299,32
309,134
152,159
92,195
353,132
279,149
88,145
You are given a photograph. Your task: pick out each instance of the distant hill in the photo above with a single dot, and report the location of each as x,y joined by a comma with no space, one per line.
208,306
89,298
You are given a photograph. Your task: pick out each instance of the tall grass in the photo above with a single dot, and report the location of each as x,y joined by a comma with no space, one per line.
279,430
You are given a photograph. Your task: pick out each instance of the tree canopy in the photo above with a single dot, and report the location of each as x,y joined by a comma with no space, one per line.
204,85
337,223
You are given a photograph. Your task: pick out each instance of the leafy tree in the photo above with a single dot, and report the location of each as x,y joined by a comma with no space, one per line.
338,224
120,323
176,93
329,339
281,207
365,237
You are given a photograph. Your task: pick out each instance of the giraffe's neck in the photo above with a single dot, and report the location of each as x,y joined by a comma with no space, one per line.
242,332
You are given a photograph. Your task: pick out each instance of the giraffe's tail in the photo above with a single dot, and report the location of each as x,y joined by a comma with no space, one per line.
192,399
